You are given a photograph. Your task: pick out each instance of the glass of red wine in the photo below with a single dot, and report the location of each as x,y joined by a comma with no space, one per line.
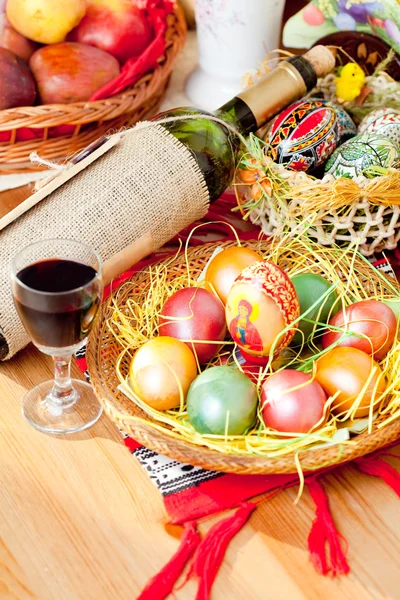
57,289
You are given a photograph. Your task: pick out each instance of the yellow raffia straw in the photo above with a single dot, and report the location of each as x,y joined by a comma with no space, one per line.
134,321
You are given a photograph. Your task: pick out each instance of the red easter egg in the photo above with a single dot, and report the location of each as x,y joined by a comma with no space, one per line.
292,410
198,315
374,320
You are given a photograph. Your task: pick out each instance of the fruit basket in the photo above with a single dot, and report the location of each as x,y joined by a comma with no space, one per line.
90,120
106,357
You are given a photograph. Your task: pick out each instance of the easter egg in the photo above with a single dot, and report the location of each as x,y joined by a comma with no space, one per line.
368,325
310,289
383,121
160,370
303,136
292,402
347,127
347,370
222,400
226,266
361,153
194,315
261,304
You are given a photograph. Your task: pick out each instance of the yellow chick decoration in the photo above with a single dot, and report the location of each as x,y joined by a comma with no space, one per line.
350,82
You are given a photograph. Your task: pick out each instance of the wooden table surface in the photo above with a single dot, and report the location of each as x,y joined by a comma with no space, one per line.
81,520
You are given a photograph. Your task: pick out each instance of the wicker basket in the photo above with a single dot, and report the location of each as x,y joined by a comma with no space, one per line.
103,352
90,119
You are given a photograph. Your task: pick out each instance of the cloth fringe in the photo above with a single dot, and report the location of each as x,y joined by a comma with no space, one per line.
377,467
206,555
211,551
162,584
324,531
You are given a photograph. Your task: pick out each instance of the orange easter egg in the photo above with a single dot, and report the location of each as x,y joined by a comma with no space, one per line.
160,370
261,304
226,266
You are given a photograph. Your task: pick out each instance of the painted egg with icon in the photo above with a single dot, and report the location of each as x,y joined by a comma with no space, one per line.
383,121
361,155
303,136
261,309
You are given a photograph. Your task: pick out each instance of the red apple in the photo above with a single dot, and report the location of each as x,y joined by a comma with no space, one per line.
115,26
14,41
68,72
17,86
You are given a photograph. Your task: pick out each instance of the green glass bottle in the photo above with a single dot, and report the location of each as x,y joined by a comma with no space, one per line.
215,146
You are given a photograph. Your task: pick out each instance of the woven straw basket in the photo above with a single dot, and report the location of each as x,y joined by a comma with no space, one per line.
334,212
102,355
90,119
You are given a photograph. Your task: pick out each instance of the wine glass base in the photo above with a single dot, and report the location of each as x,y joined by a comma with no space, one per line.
50,417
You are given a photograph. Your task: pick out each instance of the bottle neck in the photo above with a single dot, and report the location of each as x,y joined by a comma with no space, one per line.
236,112
254,107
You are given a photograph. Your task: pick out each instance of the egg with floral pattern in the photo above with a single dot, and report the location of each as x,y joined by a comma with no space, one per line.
303,136
261,309
361,155
383,121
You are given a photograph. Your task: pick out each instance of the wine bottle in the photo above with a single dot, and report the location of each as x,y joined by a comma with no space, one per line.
215,146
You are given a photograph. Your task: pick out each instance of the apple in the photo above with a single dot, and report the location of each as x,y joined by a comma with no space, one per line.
115,26
17,86
70,72
14,41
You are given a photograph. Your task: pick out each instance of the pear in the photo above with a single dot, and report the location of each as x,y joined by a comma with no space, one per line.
45,21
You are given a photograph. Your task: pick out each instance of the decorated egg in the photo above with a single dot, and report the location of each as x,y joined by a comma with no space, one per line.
226,266
304,135
383,121
315,295
362,153
262,303
348,128
161,371
222,400
195,316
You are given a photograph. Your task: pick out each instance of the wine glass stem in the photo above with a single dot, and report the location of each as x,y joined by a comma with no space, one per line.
63,391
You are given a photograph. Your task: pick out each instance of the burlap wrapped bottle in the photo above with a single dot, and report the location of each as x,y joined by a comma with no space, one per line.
131,200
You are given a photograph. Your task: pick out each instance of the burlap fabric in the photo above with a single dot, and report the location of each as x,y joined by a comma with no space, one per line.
149,182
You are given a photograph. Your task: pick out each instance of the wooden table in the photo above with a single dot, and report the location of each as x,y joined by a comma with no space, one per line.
81,520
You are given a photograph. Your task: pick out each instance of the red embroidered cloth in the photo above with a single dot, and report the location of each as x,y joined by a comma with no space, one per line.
191,493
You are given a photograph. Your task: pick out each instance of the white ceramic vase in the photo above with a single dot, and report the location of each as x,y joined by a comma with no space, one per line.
234,37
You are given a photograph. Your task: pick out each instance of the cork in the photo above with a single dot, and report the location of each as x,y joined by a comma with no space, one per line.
322,59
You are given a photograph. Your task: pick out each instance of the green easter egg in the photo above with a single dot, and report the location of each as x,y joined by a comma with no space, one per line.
219,391
310,288
394,304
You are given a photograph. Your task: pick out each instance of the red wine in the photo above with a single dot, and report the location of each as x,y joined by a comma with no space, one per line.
57,302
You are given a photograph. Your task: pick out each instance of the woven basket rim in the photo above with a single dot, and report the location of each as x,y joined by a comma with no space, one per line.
87,111
141,430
